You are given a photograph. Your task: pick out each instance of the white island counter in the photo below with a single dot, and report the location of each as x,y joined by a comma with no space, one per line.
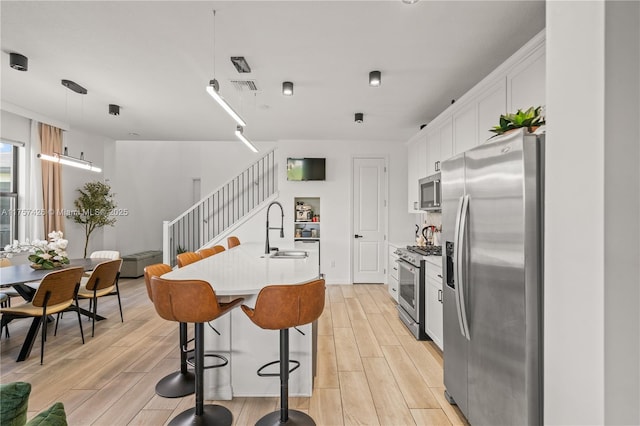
241,272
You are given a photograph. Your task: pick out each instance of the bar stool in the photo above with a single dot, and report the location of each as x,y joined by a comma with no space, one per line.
280,307
183,382
233,241
194,301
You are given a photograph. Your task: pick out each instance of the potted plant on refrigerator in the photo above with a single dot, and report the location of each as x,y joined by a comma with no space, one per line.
531,118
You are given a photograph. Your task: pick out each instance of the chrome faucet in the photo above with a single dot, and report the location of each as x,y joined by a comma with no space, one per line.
267,249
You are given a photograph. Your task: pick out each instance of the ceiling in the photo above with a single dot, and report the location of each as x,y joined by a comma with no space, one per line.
155,59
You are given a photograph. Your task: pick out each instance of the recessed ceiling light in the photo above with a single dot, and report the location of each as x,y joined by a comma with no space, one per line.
18,62
114,109
375,78
359,118
409,1
134,134
287,88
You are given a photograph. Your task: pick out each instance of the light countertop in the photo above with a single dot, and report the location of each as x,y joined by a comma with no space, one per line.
244,270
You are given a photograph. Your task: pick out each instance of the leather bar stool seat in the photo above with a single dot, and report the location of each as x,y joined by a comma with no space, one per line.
280,307
194,301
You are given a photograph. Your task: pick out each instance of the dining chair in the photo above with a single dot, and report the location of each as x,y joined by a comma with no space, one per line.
57,292
233,241
9,292
4,303
103,281
105,254
210,251
187,258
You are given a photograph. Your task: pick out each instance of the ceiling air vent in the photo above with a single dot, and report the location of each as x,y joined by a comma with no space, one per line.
244,85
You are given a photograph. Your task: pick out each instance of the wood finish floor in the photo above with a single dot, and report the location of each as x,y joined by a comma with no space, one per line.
371,371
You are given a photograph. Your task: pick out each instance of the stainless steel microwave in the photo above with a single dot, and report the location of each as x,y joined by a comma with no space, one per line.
430,192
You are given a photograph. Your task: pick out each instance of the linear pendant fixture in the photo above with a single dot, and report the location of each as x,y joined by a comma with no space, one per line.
246,141
212,89
67,160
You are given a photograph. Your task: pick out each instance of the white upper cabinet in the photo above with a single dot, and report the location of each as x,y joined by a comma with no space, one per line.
433,152
446,140
464,128
526,82
491,105
423,169
518,83
413,174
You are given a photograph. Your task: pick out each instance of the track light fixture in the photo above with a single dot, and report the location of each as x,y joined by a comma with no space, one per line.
213,87
67,160
287,88
359,117
246,141
375,79
18,62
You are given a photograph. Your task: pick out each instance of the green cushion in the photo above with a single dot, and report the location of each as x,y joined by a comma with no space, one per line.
54,416
14,399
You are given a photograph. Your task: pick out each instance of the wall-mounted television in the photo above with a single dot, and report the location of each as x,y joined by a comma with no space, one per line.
305,169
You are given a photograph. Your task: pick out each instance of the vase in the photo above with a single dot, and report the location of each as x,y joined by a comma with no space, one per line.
39,266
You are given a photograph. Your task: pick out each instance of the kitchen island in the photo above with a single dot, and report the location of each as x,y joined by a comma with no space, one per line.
242,272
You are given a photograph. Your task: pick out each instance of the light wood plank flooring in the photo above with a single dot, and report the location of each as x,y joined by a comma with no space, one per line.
371,371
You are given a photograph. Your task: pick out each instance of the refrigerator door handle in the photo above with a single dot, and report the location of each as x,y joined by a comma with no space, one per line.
456,262
460,266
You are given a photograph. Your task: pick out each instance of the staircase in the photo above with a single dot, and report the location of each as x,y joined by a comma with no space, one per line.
221,210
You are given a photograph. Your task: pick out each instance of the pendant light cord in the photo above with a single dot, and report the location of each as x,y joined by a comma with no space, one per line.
214,43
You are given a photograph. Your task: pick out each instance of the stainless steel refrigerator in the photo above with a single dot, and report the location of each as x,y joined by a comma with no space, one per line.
492,223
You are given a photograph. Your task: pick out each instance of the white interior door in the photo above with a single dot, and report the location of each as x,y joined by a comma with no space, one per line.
369,219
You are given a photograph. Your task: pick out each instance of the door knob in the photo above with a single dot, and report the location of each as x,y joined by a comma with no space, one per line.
358,236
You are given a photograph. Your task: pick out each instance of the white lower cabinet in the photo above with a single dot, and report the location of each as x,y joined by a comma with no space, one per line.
392,279
433,290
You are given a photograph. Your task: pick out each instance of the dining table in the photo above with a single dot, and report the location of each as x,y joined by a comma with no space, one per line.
17,276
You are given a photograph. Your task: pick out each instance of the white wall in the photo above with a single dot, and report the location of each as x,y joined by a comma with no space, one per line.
17,127
153,180
93,147
592,330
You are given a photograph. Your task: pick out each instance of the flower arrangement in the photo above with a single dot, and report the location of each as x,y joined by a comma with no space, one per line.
45,254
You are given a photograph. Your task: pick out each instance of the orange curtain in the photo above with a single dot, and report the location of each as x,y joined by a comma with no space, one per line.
51,142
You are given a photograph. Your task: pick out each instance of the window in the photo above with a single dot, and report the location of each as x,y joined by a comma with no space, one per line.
8,193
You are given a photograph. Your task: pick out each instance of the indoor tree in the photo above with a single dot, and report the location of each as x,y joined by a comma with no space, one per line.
94,207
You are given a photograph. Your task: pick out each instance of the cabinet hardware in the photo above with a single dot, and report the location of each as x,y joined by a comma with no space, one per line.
440,296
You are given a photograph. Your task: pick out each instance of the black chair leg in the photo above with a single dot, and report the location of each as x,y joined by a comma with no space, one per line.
285,416
118,295
95,311
201,414
43,324
180,383
55,330
79,320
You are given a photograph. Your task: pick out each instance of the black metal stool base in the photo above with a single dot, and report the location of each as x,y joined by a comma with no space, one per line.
176,385
213,415
295,418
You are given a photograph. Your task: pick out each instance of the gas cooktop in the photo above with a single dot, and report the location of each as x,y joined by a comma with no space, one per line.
426,250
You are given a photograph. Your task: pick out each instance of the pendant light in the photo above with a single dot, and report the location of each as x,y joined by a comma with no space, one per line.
67,160
64,158
244,139
213,87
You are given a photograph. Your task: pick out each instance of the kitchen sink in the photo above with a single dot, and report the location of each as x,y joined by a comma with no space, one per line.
289,254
